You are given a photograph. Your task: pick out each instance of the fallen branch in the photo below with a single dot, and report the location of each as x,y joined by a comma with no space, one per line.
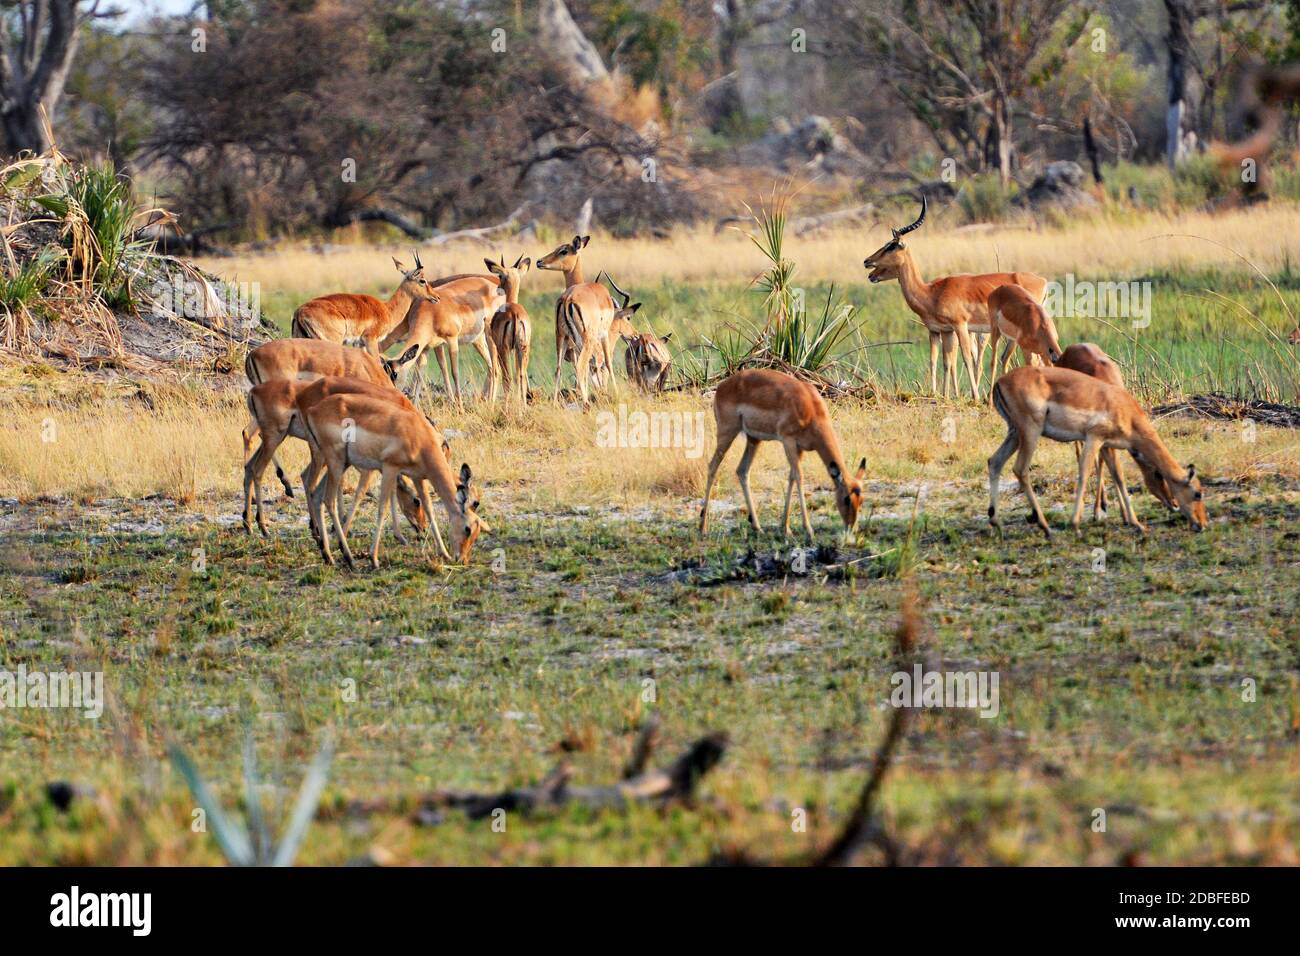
482,232
675,782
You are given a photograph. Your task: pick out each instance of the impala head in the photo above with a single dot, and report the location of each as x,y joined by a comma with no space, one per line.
1294,337
885,262
408,497
393,366
414,283
509,276
1185,492
564,257
848,493
466,530
1190,499
1049,341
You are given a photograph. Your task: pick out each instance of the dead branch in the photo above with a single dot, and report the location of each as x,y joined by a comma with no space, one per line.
675,782
482,233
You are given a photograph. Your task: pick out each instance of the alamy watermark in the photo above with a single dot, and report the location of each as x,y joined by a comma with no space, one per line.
1100,300
638,429
205,301
969,689
79,690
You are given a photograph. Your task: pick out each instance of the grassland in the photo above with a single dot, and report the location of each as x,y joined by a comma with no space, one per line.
1121,689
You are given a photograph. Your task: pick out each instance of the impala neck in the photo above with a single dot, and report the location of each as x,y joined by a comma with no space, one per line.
573,276
915,290
1147,443
828,450
399,303
512,293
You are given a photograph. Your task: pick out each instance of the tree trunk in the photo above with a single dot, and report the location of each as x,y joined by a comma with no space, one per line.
33,69
1178,135
1002,138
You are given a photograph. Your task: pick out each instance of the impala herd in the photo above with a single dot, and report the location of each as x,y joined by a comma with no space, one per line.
332,386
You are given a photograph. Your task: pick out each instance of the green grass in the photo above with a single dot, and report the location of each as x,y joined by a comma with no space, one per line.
1119,690
1206,332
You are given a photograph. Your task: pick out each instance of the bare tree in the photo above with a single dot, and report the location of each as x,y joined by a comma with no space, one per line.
38,40
737,21
961,67
1181,120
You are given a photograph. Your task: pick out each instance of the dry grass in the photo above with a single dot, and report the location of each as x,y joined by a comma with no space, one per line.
1099,246
549,458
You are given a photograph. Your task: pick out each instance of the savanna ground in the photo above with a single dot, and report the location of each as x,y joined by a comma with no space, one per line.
1125,663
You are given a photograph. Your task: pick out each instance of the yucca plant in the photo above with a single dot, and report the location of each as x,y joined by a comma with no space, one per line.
255,844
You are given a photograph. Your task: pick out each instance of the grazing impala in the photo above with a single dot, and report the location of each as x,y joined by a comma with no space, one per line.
647,358
1068,406
368,432
274,406
955,305
1090,360
766,405
511,330
583,317
305,360
1018,316
345,317
460,315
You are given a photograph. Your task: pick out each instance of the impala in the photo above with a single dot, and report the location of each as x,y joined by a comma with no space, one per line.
766,405
1090,360
305,360
584,314
1069,406
1294,337
368,432
647,358
511,330
1018,316
348,317
459,315
951,306
274,406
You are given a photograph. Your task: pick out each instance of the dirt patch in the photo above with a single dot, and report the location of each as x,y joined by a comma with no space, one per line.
1218,406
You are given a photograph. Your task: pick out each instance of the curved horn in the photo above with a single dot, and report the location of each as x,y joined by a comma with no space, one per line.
626,297
916,225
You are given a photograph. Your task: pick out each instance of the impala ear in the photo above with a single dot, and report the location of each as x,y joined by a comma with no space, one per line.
1191,472
400,267
581,241
446,449
524,265
465,473
862,469
461,497
666,337
834,471
633,308
409,355
492,266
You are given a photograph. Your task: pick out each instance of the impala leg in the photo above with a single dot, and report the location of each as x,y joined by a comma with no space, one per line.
1028,445
310,479
582,369
316,505
364,477
996,463
934,364
607,350
427,503
387,487
793,454
521,373
742,472
725,437
1090,447
994,335
981,343
485,351
1125,503
785,513
254,468
334,492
